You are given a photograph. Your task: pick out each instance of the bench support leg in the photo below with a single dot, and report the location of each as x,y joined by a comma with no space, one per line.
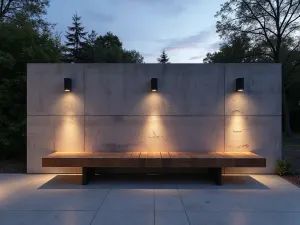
218,176
85,178
91,173
87,175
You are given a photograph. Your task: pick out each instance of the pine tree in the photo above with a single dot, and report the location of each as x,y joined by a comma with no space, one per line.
163,59
75,40
89,47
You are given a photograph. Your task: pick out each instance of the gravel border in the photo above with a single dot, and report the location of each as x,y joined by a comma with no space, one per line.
294,179
10,166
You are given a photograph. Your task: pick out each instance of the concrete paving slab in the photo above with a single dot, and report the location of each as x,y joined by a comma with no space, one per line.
275,182
55,200
245,218
129,200
216,200
168,200
124,218
37,199
46,217
168,218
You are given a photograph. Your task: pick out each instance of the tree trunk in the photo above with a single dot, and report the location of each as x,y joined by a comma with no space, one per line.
286,116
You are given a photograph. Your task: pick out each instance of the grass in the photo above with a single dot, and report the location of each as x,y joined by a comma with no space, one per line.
291,143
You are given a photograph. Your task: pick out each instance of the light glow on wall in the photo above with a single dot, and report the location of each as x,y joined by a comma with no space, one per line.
69,129
154,133
240,103
69,134
236,125
69,104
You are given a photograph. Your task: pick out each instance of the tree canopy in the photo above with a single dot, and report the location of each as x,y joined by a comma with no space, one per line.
163,59
261,31
76,39
12,9
21,42
27,37
109,49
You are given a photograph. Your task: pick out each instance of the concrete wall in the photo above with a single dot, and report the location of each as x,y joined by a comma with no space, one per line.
111,108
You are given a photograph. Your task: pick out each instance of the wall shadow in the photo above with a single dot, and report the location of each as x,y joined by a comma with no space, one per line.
230,182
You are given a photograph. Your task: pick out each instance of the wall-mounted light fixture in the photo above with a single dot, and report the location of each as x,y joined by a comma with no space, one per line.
154,84
240,84
68,84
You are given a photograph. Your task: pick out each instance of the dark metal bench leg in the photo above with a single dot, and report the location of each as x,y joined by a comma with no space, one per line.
218,176
85,175
91,173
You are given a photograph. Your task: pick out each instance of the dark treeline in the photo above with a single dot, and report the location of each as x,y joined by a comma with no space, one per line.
26,37
264,31
251,31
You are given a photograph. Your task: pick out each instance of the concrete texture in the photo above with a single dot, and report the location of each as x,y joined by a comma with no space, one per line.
45,90
46,134
111,108
124,89
48,199
262,95
258,134
149,133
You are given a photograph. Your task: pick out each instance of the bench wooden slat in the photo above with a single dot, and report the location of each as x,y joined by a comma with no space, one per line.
143,155
154,159
135,155
174,155
165,155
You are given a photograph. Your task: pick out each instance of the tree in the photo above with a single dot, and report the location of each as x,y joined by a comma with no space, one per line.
237,50
132,56
20,43
163,59
109,41
109,49
270,24
89,47
76,38
11,9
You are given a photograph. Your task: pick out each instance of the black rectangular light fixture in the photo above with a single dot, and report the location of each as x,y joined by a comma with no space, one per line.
68,84
239,84
154,85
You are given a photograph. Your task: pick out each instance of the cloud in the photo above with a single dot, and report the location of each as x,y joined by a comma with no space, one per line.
208,48
98,16
191,41
148,54
196,57
161,6
215,46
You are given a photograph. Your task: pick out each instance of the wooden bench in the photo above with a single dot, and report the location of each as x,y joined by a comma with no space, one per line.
214,161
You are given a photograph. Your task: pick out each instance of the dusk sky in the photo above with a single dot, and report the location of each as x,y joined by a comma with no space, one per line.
184,28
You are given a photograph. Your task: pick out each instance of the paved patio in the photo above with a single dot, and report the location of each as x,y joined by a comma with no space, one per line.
58,200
